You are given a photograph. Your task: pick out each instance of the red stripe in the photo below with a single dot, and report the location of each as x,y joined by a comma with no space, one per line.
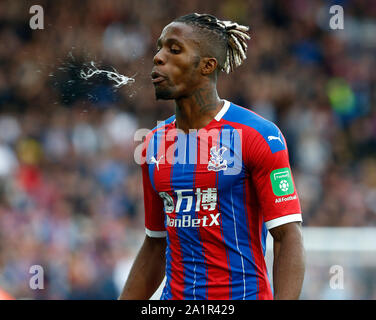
255,224
177,271
177,268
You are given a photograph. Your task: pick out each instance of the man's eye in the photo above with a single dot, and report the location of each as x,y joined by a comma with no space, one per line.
175,50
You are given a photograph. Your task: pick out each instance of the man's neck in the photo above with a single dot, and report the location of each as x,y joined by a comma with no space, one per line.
196,111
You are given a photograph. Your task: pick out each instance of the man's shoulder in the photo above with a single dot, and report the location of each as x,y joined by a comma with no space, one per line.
255,126
245,117
164,123
152,139
159,128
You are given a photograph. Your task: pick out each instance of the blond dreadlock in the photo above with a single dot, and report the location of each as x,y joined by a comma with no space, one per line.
231,34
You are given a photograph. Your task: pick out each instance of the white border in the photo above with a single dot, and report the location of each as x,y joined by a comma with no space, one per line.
283,220
155,234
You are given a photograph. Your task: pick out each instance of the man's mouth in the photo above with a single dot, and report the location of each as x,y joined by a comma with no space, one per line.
156,77
158,80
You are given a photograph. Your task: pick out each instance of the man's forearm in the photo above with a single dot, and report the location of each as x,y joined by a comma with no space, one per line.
288,266
147,271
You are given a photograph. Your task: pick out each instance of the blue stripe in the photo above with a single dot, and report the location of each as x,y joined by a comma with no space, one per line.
201,270
252,275
263,238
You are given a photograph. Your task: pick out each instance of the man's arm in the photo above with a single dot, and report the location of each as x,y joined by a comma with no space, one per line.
289,261
147,271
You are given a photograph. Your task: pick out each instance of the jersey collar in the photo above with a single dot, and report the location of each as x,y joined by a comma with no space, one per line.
221,112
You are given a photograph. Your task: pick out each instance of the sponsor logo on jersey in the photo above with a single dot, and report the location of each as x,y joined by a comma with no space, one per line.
186,221
206,199
155,161
271,138
168,202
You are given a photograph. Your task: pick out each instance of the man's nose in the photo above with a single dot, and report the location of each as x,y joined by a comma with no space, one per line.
158,59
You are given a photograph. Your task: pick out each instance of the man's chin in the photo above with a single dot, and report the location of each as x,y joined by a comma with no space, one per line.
163,94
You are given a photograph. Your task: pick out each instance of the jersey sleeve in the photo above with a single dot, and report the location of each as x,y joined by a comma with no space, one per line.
154,213
273,181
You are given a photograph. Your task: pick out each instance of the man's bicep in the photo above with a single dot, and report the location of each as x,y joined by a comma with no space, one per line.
288,229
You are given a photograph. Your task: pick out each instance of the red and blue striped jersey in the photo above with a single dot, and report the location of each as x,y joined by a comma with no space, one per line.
214,193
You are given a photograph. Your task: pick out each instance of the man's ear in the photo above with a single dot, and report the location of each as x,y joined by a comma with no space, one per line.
208,65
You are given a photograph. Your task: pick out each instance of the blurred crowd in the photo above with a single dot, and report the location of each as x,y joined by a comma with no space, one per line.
70,191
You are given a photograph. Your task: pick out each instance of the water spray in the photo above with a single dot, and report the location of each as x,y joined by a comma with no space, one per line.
120,79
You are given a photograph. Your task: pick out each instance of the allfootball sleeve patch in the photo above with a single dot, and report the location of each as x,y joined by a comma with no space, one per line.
281,180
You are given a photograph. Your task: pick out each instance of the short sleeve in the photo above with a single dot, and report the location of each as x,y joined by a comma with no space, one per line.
154,213
273,181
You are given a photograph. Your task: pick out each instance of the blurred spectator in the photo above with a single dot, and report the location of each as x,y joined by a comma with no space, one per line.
70,192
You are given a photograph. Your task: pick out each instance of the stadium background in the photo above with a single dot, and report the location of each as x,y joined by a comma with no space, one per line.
70,192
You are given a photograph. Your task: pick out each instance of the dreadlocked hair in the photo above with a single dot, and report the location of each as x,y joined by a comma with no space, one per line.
232,36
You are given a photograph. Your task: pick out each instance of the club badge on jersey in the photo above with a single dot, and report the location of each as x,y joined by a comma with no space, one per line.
216,162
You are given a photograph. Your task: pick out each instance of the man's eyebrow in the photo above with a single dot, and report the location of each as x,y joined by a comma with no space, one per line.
169,41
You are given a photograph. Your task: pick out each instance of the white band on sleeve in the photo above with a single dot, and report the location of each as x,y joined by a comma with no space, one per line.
155,234
283,220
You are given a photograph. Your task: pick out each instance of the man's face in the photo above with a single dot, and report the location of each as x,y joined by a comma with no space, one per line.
176,72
